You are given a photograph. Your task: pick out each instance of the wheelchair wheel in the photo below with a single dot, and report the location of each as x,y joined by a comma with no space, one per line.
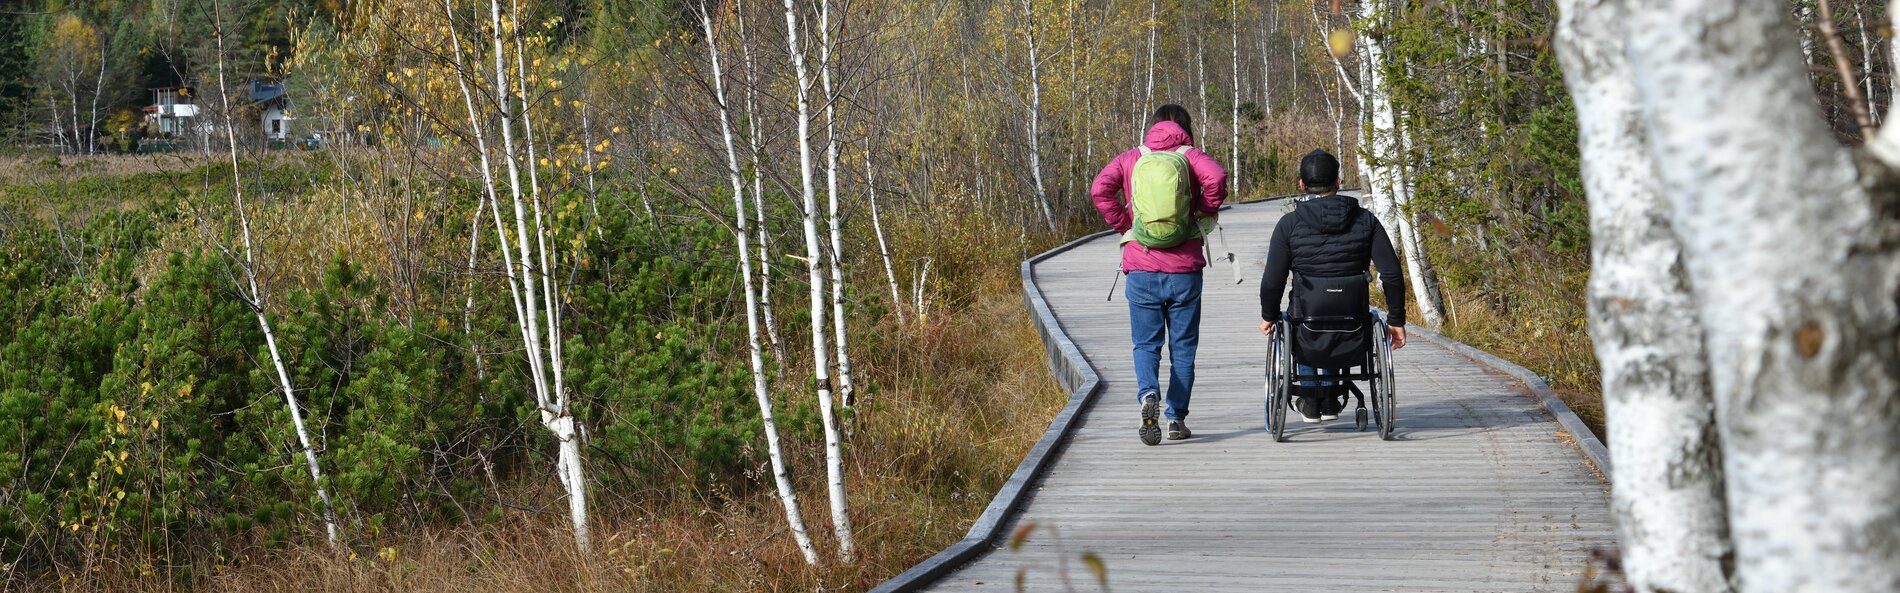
1384,392
1359,420
1278,368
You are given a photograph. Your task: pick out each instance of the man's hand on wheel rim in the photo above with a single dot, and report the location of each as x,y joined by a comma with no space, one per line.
1397,334
1267,327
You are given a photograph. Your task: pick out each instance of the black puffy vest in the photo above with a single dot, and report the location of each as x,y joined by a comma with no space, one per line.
1330,236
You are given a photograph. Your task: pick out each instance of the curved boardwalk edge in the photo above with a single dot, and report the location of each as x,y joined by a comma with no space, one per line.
1581,436
1074,374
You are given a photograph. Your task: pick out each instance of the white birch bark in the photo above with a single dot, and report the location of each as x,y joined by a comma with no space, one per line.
1378,142
1035,118
877,226
1148,97
847,388
1233,117
557,414
788,496
1431,302
1669,501
98,88
524,294
1790,249
256,301
758,190
834,454
1200,79
1866,62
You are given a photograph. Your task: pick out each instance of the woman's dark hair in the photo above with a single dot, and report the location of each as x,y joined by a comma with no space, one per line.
1174,113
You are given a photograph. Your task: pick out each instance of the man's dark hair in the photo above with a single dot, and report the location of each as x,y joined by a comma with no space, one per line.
1174,113
1319,170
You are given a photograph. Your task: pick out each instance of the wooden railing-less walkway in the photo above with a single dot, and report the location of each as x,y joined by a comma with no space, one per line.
1487,486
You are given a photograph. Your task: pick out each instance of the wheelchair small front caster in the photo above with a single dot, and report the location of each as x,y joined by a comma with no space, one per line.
1359,419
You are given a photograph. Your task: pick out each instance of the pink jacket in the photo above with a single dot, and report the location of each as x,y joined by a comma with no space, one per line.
1111,188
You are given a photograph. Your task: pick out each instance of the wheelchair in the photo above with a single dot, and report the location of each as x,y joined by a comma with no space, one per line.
1333,330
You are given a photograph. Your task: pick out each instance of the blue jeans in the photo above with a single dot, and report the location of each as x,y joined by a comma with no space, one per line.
1170,303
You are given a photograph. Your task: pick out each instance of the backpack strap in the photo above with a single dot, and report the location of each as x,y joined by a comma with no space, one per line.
1183,149
1144,149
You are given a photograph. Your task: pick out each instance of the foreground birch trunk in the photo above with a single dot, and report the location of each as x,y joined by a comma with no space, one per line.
550,399
255,298
557,412
1669,502
1790,247
788,496
847,389
821,365
1431,302
758,190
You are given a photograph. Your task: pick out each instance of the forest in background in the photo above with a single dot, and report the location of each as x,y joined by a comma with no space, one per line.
149,443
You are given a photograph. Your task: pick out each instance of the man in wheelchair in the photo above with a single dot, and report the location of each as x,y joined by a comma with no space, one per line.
1325,245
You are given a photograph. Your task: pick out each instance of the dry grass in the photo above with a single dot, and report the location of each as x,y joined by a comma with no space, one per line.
46,167
958,401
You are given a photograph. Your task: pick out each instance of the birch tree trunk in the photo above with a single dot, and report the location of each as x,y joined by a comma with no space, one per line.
834,455
877,226
524,295
1790,247
1378,142
1669,501
557,411
847,390
758,190
255,298
1233,117
1431,302
788,496
1149,96
1035,118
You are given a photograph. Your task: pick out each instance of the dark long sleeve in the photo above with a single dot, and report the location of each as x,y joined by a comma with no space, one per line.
1391,275
1279,266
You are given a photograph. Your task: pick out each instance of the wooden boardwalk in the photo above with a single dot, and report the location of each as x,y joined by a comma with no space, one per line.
1482,491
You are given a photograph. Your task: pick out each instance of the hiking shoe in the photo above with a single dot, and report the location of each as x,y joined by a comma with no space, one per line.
1308,408
1178,430
1151,419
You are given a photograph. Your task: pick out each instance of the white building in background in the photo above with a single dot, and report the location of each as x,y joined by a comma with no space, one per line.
175,114
172,111
274,116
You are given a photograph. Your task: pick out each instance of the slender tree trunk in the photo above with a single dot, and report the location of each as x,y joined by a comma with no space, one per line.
1200,79
834,454
524,294
1796,296
1669,501
1035,118
877,226
256,301
559,415
788,496
1431,302
1154,24
1378,142
758,190
1867,43
1233,117
1844,71
98,88
847,389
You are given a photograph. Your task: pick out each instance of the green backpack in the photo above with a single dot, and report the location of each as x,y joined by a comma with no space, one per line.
1162,191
